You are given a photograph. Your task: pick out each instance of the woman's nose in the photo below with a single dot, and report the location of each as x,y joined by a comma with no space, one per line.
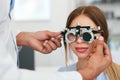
79,39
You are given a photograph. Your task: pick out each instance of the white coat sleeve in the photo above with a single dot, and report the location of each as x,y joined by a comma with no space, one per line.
26,75
9,70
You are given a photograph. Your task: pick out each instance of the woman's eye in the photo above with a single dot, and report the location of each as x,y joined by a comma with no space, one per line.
71,37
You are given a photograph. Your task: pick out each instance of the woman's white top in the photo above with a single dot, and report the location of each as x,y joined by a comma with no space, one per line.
72,67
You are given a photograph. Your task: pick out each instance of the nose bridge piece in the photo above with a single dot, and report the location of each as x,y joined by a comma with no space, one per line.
79,38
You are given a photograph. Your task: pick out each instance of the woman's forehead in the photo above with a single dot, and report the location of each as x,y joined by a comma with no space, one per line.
83,20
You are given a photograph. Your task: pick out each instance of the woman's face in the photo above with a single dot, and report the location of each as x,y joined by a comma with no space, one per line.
80,47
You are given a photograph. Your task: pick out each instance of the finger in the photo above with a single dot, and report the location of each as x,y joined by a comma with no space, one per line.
106,50
93,46
99,46
57,42
41,48
59,36
52,44
47,47
36,45
107,54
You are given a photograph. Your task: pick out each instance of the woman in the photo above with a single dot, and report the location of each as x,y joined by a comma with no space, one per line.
93,17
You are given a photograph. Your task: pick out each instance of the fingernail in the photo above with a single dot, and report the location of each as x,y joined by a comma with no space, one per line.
45,42
52,38
59,36
100,38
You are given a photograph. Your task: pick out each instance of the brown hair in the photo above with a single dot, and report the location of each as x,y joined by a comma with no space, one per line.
97,16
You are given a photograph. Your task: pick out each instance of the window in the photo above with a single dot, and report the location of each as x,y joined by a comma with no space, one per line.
26,10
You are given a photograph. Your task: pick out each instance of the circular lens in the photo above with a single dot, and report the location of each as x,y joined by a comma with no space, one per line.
87,36
71,37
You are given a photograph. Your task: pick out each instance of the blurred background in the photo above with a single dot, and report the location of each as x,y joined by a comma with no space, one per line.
35,15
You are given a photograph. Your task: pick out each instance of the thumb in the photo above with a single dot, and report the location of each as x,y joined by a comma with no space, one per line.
53,34
106,50
107,54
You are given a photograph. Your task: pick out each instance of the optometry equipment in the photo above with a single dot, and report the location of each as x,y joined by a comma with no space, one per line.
86,33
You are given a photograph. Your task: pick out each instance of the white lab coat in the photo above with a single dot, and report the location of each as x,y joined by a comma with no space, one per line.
8,55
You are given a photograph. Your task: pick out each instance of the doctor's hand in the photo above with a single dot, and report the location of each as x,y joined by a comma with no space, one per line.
98,61
42,41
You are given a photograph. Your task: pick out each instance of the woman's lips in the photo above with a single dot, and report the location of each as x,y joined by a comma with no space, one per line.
81,49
